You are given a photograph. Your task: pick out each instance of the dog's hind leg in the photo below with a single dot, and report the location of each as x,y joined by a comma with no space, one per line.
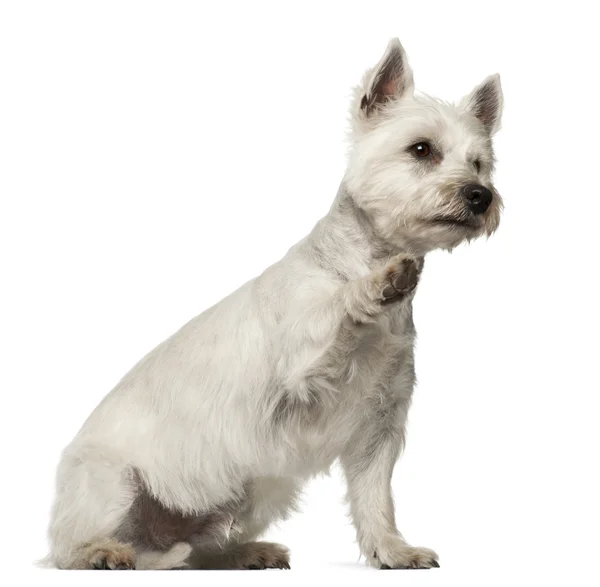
94,493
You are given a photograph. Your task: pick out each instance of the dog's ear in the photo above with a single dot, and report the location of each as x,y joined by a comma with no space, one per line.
390,79
485,103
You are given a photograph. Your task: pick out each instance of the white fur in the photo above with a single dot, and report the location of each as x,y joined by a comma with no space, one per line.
299,367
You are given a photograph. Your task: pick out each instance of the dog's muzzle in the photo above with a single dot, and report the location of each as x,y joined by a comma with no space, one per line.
477,198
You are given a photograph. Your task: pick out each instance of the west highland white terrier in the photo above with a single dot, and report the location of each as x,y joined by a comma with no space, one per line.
209,438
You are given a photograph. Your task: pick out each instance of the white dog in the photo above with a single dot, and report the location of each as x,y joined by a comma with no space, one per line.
210,437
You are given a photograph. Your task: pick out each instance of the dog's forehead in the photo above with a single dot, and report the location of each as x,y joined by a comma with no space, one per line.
451,127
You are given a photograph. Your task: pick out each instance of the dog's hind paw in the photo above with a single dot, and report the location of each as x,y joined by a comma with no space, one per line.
248,555
263,555
110,555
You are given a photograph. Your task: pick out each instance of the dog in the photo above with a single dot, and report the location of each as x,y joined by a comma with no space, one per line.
209,439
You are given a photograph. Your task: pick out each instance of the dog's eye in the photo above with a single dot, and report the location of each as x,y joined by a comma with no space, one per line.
477,165
421,150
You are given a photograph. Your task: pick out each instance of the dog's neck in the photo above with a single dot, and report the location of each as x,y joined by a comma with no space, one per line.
345,241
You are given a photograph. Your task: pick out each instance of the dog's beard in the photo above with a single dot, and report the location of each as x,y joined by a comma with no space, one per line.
445,229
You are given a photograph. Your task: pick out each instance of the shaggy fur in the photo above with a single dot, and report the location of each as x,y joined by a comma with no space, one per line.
211,436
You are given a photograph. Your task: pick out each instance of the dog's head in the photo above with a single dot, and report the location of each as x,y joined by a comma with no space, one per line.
420,168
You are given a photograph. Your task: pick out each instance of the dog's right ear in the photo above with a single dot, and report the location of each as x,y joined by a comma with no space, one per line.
485,103
390,79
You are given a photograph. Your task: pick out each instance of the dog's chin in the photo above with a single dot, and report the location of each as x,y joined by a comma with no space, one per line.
446,232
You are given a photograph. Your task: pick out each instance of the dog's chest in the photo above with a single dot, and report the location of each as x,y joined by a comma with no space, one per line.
377,372
385,347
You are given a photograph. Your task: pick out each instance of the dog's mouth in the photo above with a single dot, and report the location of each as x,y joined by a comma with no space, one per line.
453,222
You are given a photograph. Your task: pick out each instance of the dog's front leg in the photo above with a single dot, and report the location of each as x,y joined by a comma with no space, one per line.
368,463
317,342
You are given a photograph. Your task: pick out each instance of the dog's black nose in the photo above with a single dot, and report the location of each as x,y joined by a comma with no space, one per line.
477,198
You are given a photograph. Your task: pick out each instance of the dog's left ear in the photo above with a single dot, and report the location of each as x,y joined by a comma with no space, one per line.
390,79
485,103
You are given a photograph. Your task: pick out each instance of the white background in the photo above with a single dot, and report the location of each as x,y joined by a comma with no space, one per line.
156,155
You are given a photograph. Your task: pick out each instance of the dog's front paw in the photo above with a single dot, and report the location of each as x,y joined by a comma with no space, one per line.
401,277
396,554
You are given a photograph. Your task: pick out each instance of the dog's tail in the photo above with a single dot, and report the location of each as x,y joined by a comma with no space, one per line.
175,558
